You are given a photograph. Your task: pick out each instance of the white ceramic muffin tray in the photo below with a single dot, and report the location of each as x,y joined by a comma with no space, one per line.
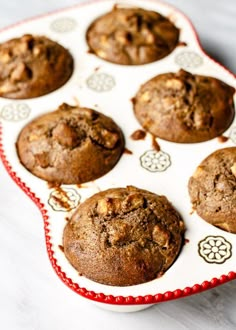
208,256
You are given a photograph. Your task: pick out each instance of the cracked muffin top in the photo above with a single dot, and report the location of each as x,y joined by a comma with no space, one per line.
212,189
71,145
132,36
123,236
185,108
32,66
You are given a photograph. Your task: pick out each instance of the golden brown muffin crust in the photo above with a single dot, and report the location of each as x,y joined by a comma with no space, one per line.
212,189
33,66
71,145
185,108
132,36
123,236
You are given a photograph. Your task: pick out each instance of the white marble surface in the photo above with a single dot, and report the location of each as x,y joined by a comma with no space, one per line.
31,295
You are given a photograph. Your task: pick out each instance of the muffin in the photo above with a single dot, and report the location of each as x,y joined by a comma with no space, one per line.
123,236
71,145
132,36
212,189
184,108
32,66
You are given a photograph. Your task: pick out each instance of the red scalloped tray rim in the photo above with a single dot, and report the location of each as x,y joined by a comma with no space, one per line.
100,297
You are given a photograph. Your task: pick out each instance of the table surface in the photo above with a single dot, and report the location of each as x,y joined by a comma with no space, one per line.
31,295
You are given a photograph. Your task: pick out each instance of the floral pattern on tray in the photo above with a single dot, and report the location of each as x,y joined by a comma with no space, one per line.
64,199
100,82
63,25
188,60
15,112
155,161
215,249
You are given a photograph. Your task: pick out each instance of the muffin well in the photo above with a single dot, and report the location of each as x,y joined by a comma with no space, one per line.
212,189
32,66
132,36
123,236
71,145
184,108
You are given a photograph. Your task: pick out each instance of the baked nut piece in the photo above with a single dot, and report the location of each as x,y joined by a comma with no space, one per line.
32,66
185,108
132,36
71,145
123,236
212,189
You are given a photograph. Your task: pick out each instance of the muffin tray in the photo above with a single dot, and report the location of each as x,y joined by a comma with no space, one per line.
207,258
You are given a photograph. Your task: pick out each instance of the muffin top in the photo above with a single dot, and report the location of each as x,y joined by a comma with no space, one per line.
71,145
212,189
32,66
132,36
123,236
185,108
